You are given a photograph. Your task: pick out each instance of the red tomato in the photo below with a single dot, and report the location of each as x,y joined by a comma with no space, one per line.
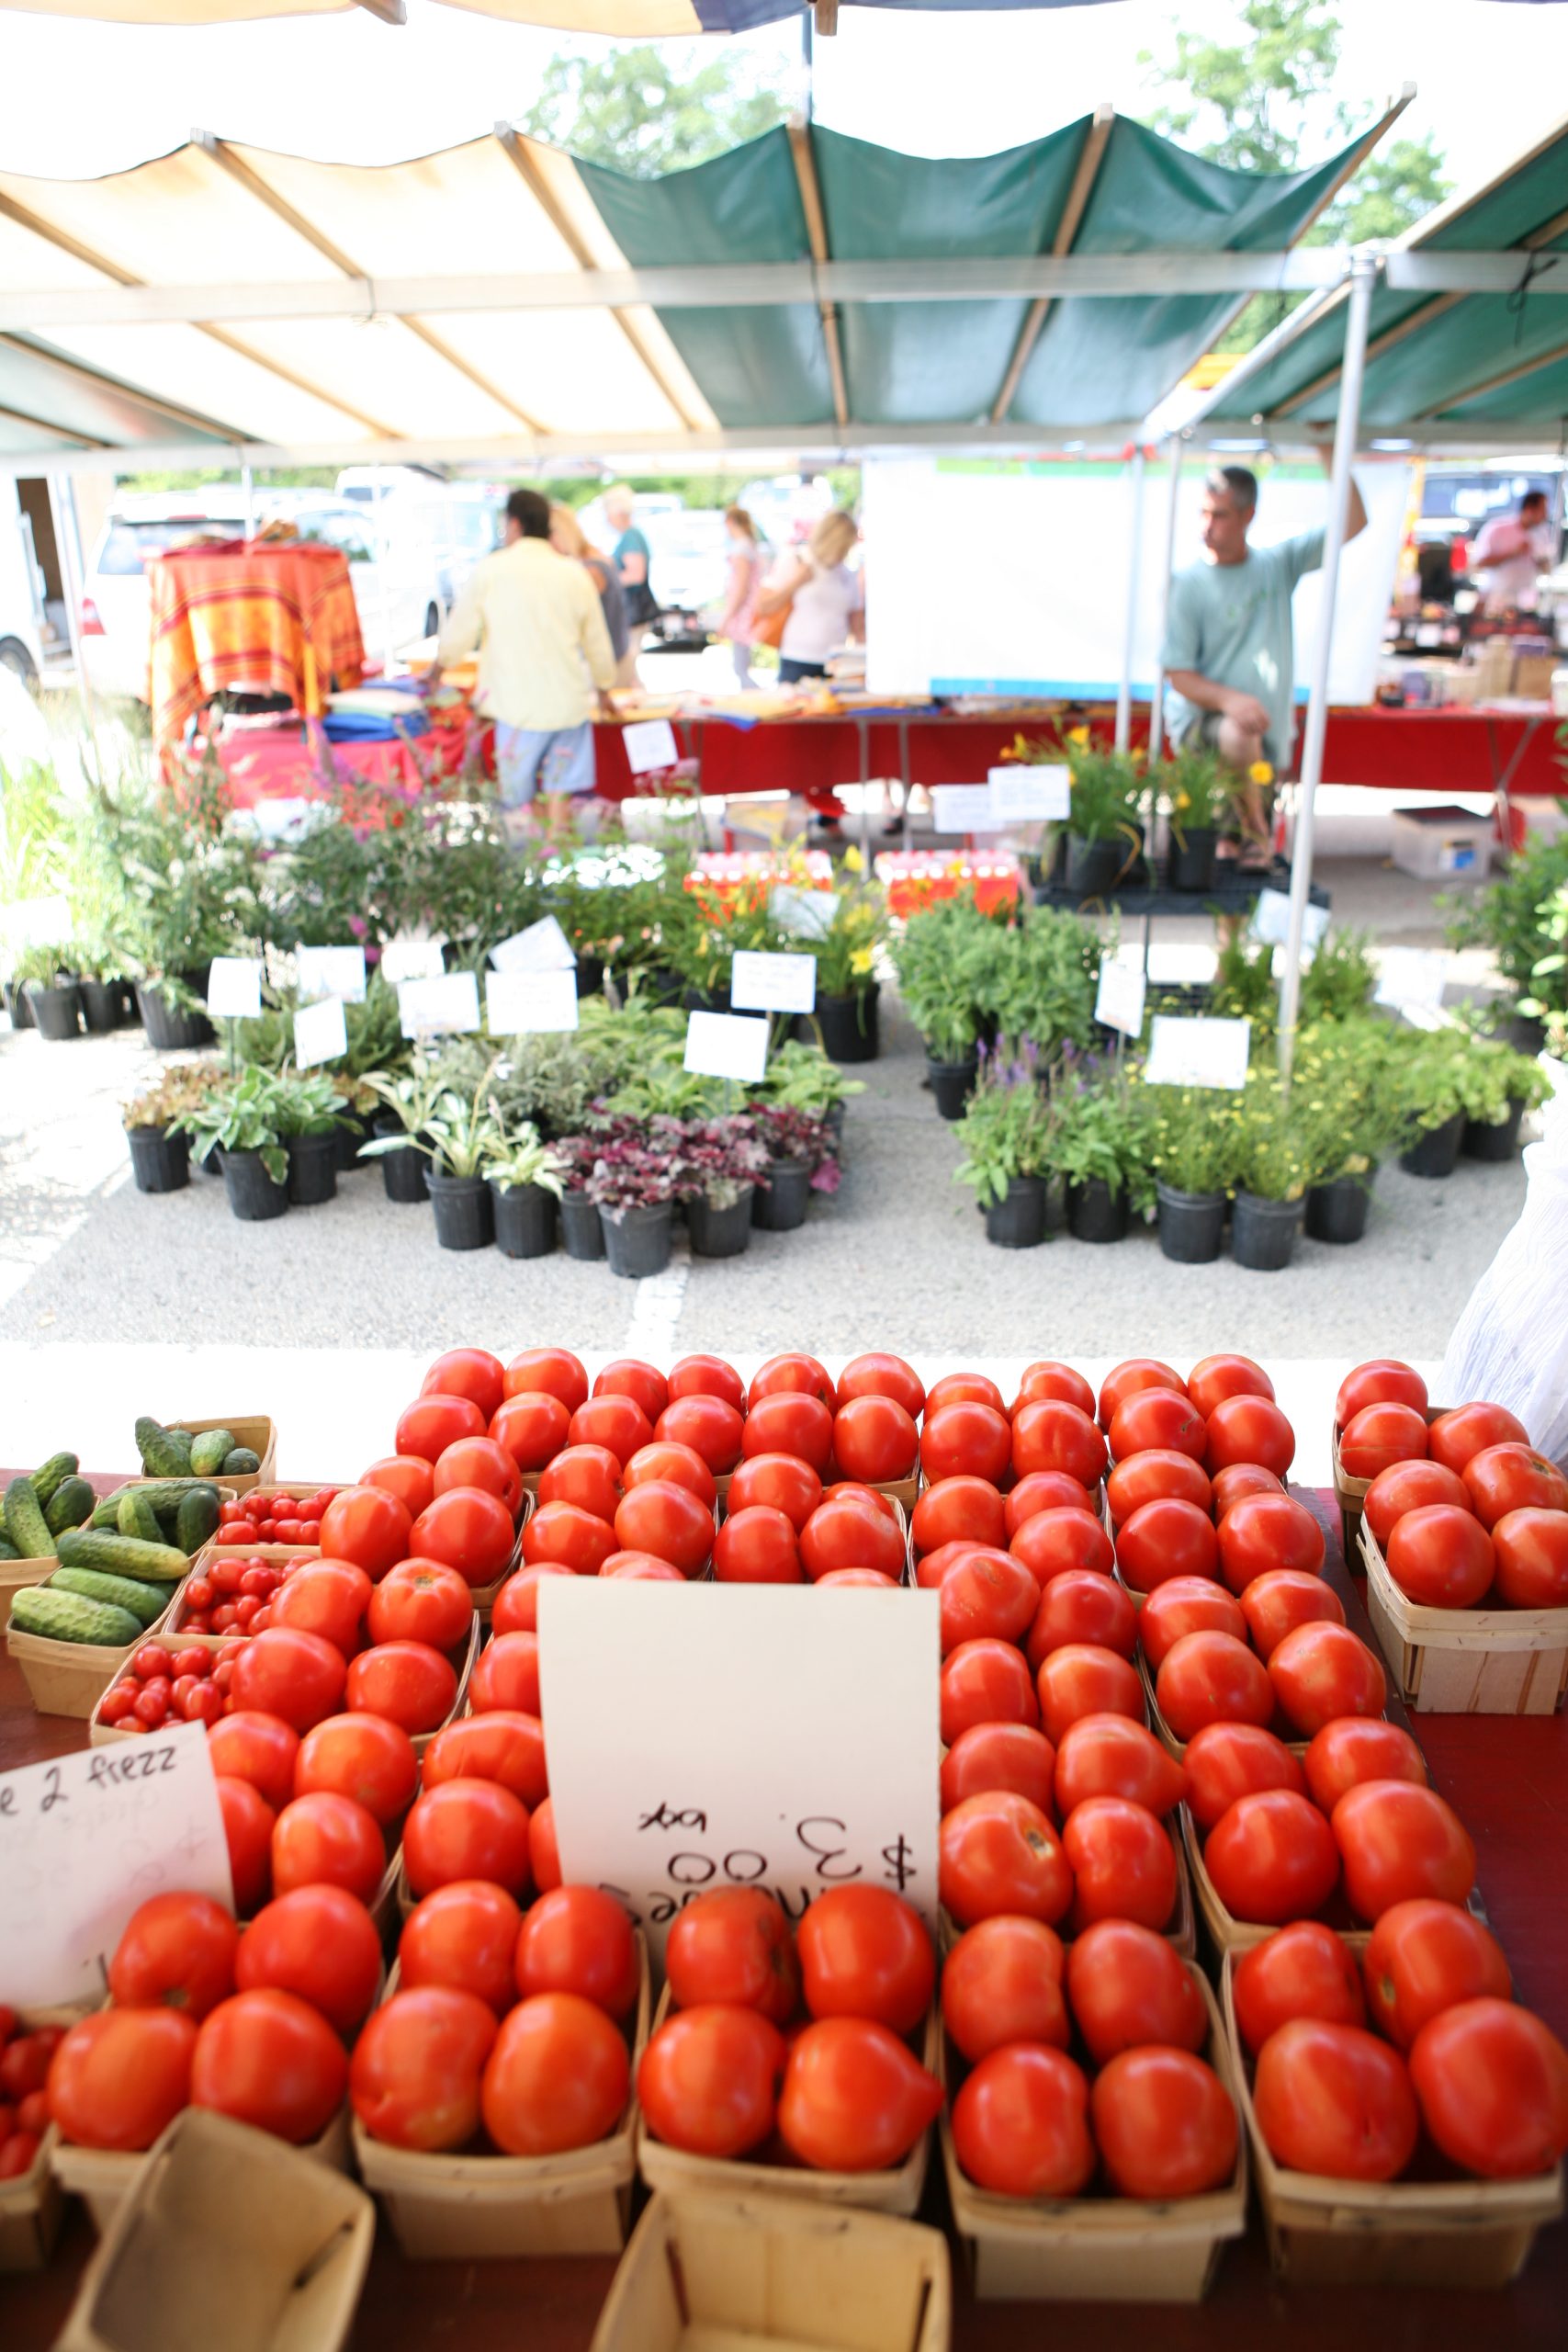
544,1854
663,1459
1020,2123
1274,1605
418,2066
255,1747
1304,1971
532,1427
578,1939
1048,1378
848,1530
708,2079
1238,1478
421,1600
368,1526
1152,1475
468,1372
547,1372
558,2077
1214,1378
1001,1982
996,1757
1164,2124
882,1375
1186,1605
480,1462
1530,1554
119,2077
365,1756
1409,1486
667,1520
640,1567
466,1829
1122,1861
966,1440
1493,2085
710,1426
325,1839
1159,1420
1127,1986
469,1530
733,1946
1425,1957
1230,1761
1506,1478
408,1477
617,1423
1354,1749
1079,1606
1334,2099
875,1438
1130,1378
707,1376
1379,1436
1053,1542
854,2097
1000,1853
1049,1434
408,1682
1084,1680
588,1475
1248,1429
321,1943
1454,1439
504,1745
515,1609
1272,1857
958,1510
872,1496
788,1421
775,1482
1108,1756
1267,1532
865,1953
1384,1381
1397,1840
1041,1490
628,1376
757,1546
464,1936
965,1388
986,1592
564,1535
1322,1671
985,1682
326,1597
506,1675
871,1579
1166,1539
269,2059
792,1375
931,1570
175,1951
297,1676
432,1423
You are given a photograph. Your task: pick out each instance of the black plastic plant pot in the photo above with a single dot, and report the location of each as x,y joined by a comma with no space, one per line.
312,1168
1191,1225
403,1173
1096,1213
1018,1220
209,1163
1437,1152
637,1242
590,975
1094,868
463,1218
951,1083
782,1204
1501,1141
1190,862
721,1233
524,1217
56,1011
252,1196
1263,1233
160,1161
1527,1034
16,1005
581,1231
849,1024
169,1030
1337,1212
356,1129
102,1006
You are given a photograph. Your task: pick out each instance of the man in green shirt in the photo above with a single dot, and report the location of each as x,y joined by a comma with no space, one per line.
1229,651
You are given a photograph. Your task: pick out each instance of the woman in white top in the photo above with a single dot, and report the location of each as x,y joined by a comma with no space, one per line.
824,599
738,623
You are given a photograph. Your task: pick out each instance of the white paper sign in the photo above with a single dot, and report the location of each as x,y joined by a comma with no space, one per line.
332,971
431,1008
672,1770
1200,1052
520,1004
809,914
411,959
650,743
87,1838
1026,795
773,983
234,988
962,808
1412,976
721,1044
320,1032
1176,967
36,923
1120,1002
276,818
1271,920
542,947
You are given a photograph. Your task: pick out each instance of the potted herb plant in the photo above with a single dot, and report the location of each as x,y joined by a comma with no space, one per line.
635,1184
724,1156
103,993
1434,1089
457,1135
1504,1086
1005,1132
945,961
309,1114
1105,836
1271,1171
801,1159
1192,1156
236,1117
1197,796
160,1150
1341,1102
47,977
581,1231
848,991
1099,1147
409,1098
524,1175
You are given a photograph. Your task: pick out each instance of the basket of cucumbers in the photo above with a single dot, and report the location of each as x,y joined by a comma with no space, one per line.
55,1497
238,1451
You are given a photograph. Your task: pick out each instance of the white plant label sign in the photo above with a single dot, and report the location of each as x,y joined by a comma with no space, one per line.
1030,796
411,959
650,743
1412,976
962,809
332,971
1119,1001
233,988
519,1005
723,1045
1271,921
1201,1052
542,947
759,983
439,1006
320,1032
809,914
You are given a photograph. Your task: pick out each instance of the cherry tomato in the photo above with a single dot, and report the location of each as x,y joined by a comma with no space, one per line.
781,1482
1002,1981
1454,1439
468,1372
364,1756
415,2081
882,1375
999,1756
1424,1957
854,2097
1230,1760
548,1372
1275,1603
175,1951
1020,2123
1128,1987
986,1682
1531,1555
532,1427
1077,1607
1353,1748
433,1422
1152,1475
1397,1840
465,1936
1384,1381
663,1459
1050,1435
1493,2085
1272,1857
865,1953
284,1672
1409,1486
1102,1756
1156,1420
119,2077
1000,1853
1165,1539
1238,1478
1041,1490
966,1440
515,1609
1082,1679
466,1829
1053,1542
1186,1605
667,1520
1379,1436
1322,1671
708,2079
1303,1971
368,1526
1164,2124
1334,2099
846,1530
320,1942
256,1747
1048,1378
421,1600
1130,1378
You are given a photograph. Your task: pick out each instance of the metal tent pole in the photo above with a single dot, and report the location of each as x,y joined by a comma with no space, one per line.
1129,626
248,486
1363,278
1156,706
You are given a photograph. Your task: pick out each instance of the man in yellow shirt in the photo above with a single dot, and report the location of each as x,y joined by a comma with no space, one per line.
545,659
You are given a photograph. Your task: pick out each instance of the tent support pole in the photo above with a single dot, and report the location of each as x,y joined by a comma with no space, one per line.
1129,621
1363,278
1157,704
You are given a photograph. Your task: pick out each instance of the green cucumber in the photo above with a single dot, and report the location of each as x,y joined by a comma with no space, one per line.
196,1522
123,1556
25,1523
162,1455
145,1601
166,1496
7,1549
69,1504
210,1450
137,1517
241,1463
52,1475
68,1617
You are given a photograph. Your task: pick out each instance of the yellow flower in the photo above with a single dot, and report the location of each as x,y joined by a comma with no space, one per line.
861,961
1078,734
1184,800
854,861
1261,773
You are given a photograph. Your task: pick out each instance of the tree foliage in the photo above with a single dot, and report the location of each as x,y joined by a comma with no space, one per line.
646,110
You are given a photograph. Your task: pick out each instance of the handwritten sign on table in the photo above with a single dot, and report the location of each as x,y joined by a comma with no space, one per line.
233,988
650,743
438,1007
87,1838
706,1735
320,1032
721,1044
1202,1052
542,947
1030,796
332,971
521,1004
759,983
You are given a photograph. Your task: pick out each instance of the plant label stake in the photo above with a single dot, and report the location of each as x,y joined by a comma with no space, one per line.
542,947
962,809
723,1045
411,959
1120,1002
332,971
1412,976
650,743
1029,796
520,1004
320,1032
1198,1052
233,990
439,1006
773,983
1271,921
809,914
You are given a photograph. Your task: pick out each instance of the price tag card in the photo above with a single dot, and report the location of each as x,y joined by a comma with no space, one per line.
650,743
332,971
719,1045
87,1838
761,983
1030,796
1176,967
320,1032
1410,976
542,947
809,914
962,808
437,1008
1201,1052
673,1768
519,1005
1271,920
234,988
411,959
1120,1003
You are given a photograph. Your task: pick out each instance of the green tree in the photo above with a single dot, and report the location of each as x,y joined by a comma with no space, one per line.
647,111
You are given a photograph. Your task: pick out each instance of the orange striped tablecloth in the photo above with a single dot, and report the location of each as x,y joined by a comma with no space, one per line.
250,617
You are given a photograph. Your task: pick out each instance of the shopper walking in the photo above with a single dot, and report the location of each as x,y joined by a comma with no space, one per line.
824,599
631,559
1511,551
569,539
738,621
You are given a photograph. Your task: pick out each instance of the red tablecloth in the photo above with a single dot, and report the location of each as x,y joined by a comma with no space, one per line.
252,616
296,764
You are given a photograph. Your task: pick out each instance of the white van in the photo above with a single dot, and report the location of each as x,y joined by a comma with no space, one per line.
21,593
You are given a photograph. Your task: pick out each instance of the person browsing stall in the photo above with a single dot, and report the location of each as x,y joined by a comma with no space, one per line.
824,599
1511,551
631,559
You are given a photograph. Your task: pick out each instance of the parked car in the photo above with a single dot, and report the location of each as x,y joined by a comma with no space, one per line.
21,593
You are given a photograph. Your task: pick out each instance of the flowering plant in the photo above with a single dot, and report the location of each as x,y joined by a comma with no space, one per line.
1196,790
724,1158
790,1133
640,1170
1006,1125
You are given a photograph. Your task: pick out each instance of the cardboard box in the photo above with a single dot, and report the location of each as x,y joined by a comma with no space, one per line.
739,2274
1441,844
1098,2248
104,2179
255,1429
1466,1661
227,2238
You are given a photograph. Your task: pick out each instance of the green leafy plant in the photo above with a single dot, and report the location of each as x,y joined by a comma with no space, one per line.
1099,1128
410,1095
1192,1132
1006,1127
306,1103
1196,790
455,1133
239,1114
46,966
948,962
805,1078
182,1087
846,952
1515,916
519,1157
1270,1159
1343,1103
